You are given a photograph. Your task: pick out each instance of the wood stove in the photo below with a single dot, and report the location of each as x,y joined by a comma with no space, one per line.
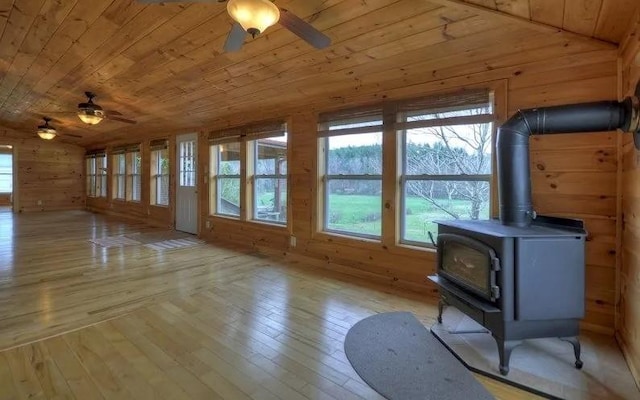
523,276
519,283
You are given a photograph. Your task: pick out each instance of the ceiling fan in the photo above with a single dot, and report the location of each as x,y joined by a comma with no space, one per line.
48,132
91,113
255,16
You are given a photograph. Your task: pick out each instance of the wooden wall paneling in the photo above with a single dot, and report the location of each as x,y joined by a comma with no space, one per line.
581,16
547,11
601,19
628,334
613,22
519,8
48,175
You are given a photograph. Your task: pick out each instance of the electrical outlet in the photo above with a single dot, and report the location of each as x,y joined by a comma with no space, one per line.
207,224
39,202
292,241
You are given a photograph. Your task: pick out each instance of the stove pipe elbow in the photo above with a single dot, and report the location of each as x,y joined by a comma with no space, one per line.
512,145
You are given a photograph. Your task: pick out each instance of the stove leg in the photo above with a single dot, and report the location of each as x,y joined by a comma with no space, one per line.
441,305
504,350
575,342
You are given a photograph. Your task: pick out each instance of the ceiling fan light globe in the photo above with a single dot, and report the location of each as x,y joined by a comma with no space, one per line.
46,133
255,16
90,116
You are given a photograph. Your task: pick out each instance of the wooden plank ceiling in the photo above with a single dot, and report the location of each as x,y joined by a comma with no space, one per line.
601,19
162,64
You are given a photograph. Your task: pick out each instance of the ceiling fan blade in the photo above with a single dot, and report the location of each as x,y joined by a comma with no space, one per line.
235,40
113,112
60,112
126,121
303,29
72,135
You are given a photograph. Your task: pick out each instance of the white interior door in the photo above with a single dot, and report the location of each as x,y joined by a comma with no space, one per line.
186,187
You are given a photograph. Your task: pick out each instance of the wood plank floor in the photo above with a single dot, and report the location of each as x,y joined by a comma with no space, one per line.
205,322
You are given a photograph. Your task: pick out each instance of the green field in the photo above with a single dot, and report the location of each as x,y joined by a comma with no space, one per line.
361,214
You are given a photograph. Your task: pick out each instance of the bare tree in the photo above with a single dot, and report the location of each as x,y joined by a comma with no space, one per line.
455,150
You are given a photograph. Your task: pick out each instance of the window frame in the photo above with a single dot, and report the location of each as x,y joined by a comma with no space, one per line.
392,148
374,114
215,180
404,177
127,174
96,174
157,149
134,174
254,144
245,136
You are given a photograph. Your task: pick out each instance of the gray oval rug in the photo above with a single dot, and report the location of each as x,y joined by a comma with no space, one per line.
395,355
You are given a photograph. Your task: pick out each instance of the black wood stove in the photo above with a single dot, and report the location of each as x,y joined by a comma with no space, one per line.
523,276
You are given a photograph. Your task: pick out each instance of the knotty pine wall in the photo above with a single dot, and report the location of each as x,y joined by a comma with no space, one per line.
628,333
160,216
573,175
49,172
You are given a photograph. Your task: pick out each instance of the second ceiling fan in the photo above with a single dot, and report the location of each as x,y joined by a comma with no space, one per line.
254,16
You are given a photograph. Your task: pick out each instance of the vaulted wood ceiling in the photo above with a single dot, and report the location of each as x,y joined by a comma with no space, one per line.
163,65
601,19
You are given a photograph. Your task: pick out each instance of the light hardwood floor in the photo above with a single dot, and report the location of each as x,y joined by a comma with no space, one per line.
209,322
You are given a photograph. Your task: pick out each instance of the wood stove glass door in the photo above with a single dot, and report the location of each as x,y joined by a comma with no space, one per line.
468,263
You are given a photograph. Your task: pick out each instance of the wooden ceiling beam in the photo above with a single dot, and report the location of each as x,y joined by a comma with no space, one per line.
509,18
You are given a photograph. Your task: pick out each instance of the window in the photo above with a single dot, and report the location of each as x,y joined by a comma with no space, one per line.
126,176
248,172
351,143
6,170
134,178
91,176
119,174
159,173
270,179
96,172
446,162
225,179
187,164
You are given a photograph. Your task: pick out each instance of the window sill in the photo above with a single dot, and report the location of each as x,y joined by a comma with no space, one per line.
162,206
227,217
347,239
268,224
415,247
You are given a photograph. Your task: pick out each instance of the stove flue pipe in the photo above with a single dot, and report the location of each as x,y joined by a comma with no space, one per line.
512,145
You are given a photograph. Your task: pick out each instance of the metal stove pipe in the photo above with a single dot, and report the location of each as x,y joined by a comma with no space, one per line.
512,145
